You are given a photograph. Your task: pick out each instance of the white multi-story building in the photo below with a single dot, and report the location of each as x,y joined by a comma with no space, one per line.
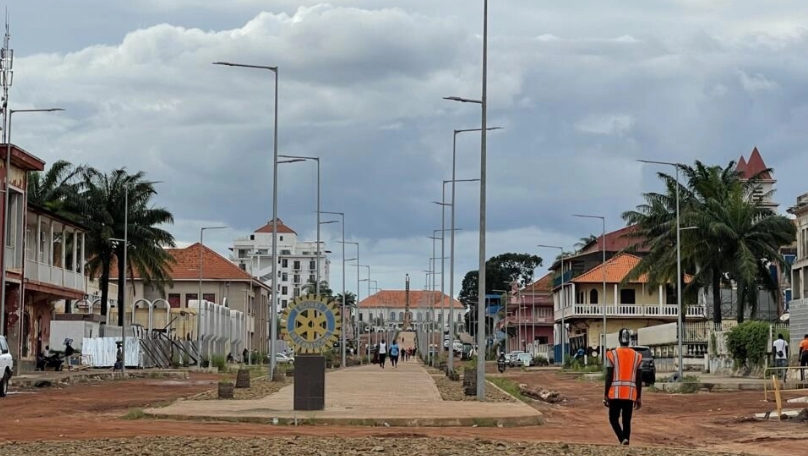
297,260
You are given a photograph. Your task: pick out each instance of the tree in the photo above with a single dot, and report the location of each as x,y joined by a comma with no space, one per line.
325,290
350,299
51,188
100,206
728,231
585,241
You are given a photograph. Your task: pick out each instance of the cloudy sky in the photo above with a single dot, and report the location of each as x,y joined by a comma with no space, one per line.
583,89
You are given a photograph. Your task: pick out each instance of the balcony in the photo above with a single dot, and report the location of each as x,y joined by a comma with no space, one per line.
630,311
53,275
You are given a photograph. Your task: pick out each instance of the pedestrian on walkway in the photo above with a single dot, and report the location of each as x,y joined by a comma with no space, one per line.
382,353
623,392
780,349
803,356
394,354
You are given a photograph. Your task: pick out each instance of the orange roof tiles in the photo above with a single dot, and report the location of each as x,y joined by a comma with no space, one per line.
616,241
396,299
281,228
214,266
543,284
617,268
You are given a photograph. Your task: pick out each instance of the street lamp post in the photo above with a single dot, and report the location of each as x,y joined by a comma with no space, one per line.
679,229
561,301
122,305
357,291
603,248
342,313
199,296
7,191
296,158
274,305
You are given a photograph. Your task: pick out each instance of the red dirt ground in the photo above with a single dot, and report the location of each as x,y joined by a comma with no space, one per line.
716,421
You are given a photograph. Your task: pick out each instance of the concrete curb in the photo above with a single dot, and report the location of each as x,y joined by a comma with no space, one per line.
309,420
85,377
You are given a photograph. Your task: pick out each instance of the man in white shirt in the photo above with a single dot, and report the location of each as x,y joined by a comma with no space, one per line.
780,349
382,353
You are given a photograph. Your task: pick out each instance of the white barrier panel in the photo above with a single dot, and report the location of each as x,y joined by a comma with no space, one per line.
102,351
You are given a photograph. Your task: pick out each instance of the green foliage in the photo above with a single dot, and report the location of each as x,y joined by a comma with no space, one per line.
732,234
577,365
509,386
325,290
540,361
690,384
747,343
219,362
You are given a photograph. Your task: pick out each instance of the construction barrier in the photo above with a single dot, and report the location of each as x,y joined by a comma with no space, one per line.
784,380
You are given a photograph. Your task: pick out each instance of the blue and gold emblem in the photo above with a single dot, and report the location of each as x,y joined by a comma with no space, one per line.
311,324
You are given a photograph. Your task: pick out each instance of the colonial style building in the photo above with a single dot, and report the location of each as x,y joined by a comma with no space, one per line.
223,283
44,256
798,305
764,193
386,309
529,320
297,260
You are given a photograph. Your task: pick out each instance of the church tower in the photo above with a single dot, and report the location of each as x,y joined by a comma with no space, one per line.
764,194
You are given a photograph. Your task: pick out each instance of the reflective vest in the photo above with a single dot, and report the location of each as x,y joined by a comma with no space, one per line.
626,361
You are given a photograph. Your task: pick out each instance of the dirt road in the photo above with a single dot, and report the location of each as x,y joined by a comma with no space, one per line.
702,421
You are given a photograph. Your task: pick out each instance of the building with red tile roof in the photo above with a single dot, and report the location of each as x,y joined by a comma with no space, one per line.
755,166
529,318
386,308
223,283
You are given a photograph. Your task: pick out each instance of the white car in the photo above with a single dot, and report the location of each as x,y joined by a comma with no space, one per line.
280,358
6,366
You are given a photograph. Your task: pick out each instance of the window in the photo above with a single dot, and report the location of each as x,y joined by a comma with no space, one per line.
284,290
243,266
281,237
401,316
284,263
627,297
360,316
284,303
312,265
297,278
593,296
285,277
210,297
296,265
297,292
306,253
243,253
312,277
581,297
14,217
392,316
174,300
190,297
286,252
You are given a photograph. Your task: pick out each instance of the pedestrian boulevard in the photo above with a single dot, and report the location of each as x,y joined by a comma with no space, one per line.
403,396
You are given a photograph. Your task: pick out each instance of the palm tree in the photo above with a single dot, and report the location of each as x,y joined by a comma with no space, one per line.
585,241
350,299
325,290
51,188
712,248
100,206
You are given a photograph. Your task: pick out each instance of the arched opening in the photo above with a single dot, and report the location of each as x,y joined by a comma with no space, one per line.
593,296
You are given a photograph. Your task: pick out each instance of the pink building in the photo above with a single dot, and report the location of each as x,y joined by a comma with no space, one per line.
529,316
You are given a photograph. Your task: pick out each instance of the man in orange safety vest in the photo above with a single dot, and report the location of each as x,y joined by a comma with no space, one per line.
623,386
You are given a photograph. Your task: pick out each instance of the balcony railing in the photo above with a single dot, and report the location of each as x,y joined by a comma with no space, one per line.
630,311
53,275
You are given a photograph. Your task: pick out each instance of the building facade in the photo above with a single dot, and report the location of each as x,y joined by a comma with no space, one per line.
223,283
297,260
798,305
387,308
529,320
763,194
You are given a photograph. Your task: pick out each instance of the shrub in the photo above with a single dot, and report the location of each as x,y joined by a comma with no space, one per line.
219,362
540,361
747,343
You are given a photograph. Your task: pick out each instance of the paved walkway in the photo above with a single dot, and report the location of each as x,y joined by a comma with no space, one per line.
367,395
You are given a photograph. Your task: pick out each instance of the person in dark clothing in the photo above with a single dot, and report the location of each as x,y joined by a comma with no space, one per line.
623,392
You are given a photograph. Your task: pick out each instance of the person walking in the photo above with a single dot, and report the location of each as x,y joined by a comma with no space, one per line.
803,356
382,353
394,351
623,392
780,349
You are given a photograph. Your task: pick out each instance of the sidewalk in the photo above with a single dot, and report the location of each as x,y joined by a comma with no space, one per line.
367,395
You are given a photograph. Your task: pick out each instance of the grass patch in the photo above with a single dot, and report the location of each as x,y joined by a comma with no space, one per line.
509,386
484,422
689,385
134,414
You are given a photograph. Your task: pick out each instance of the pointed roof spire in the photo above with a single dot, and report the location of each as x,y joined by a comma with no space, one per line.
756,165
741,166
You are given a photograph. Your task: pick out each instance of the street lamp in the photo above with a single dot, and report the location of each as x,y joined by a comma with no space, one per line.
452,224
483,176
122,305
296,158
676,166
274,305
603,247
561,301
6,188
199,296
342,218
357,289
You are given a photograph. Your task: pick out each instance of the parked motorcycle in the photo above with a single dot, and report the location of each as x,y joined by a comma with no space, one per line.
53,361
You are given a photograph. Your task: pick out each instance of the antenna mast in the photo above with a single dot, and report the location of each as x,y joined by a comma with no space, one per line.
6,73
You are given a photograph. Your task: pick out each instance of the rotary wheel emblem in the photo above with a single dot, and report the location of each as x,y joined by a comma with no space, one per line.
311,324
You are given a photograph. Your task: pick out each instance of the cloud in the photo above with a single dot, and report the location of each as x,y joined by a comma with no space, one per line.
582,92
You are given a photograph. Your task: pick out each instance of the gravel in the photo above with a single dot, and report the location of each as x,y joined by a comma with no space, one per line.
453,390
259,388
319,446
